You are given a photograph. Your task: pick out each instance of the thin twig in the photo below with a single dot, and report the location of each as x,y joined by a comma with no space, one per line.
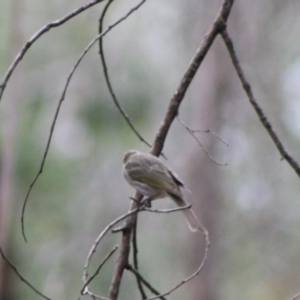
36,36
135,259
191,132
107,79
165,211
14,268
203,131
83,290
144,281
189,75
296,296
260,113
207,244
59,106
201,228
100,237
162,134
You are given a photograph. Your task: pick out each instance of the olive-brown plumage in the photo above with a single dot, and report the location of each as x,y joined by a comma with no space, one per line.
153,179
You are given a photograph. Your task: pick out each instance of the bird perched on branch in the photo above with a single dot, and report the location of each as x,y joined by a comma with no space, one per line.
153,179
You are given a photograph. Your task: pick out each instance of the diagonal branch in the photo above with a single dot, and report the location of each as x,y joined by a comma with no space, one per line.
106,75
36,36
85,289
62,98
144,281
98,240
207,244
189,75
262,117
14,268
135,259
296,296
162,134
192,133
122,261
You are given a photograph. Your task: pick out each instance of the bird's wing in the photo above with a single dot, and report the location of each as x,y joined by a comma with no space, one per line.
160,172
176,178
150,170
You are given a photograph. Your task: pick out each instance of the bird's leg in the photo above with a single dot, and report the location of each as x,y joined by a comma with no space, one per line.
147,201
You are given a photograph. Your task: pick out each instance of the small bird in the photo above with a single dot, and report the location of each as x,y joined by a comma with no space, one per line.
153,179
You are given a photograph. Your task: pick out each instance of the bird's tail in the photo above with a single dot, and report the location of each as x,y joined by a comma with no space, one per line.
193,222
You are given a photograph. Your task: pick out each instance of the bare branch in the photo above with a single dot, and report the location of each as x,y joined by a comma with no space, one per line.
59,106
191,132
106,75
262,117
165,211
36,36
135,250
144,281
201,228
296,296
85,289
189,75
202,131
99,238
14,268
207,244
162,134
124,249
135,259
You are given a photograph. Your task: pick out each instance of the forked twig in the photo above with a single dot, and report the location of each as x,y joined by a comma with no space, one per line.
60,103
191,132
144,281
85,289
187,78
160,138
14,268
98,240
202,131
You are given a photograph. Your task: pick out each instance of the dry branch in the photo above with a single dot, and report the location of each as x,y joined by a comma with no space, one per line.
296,296
62,98
99,238
135,259
85,289
192,133
162,134
107,78
259,111
144,281
36,36
22,278
189,75
207,244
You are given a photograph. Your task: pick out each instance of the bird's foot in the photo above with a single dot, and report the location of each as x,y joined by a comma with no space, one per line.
147,202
